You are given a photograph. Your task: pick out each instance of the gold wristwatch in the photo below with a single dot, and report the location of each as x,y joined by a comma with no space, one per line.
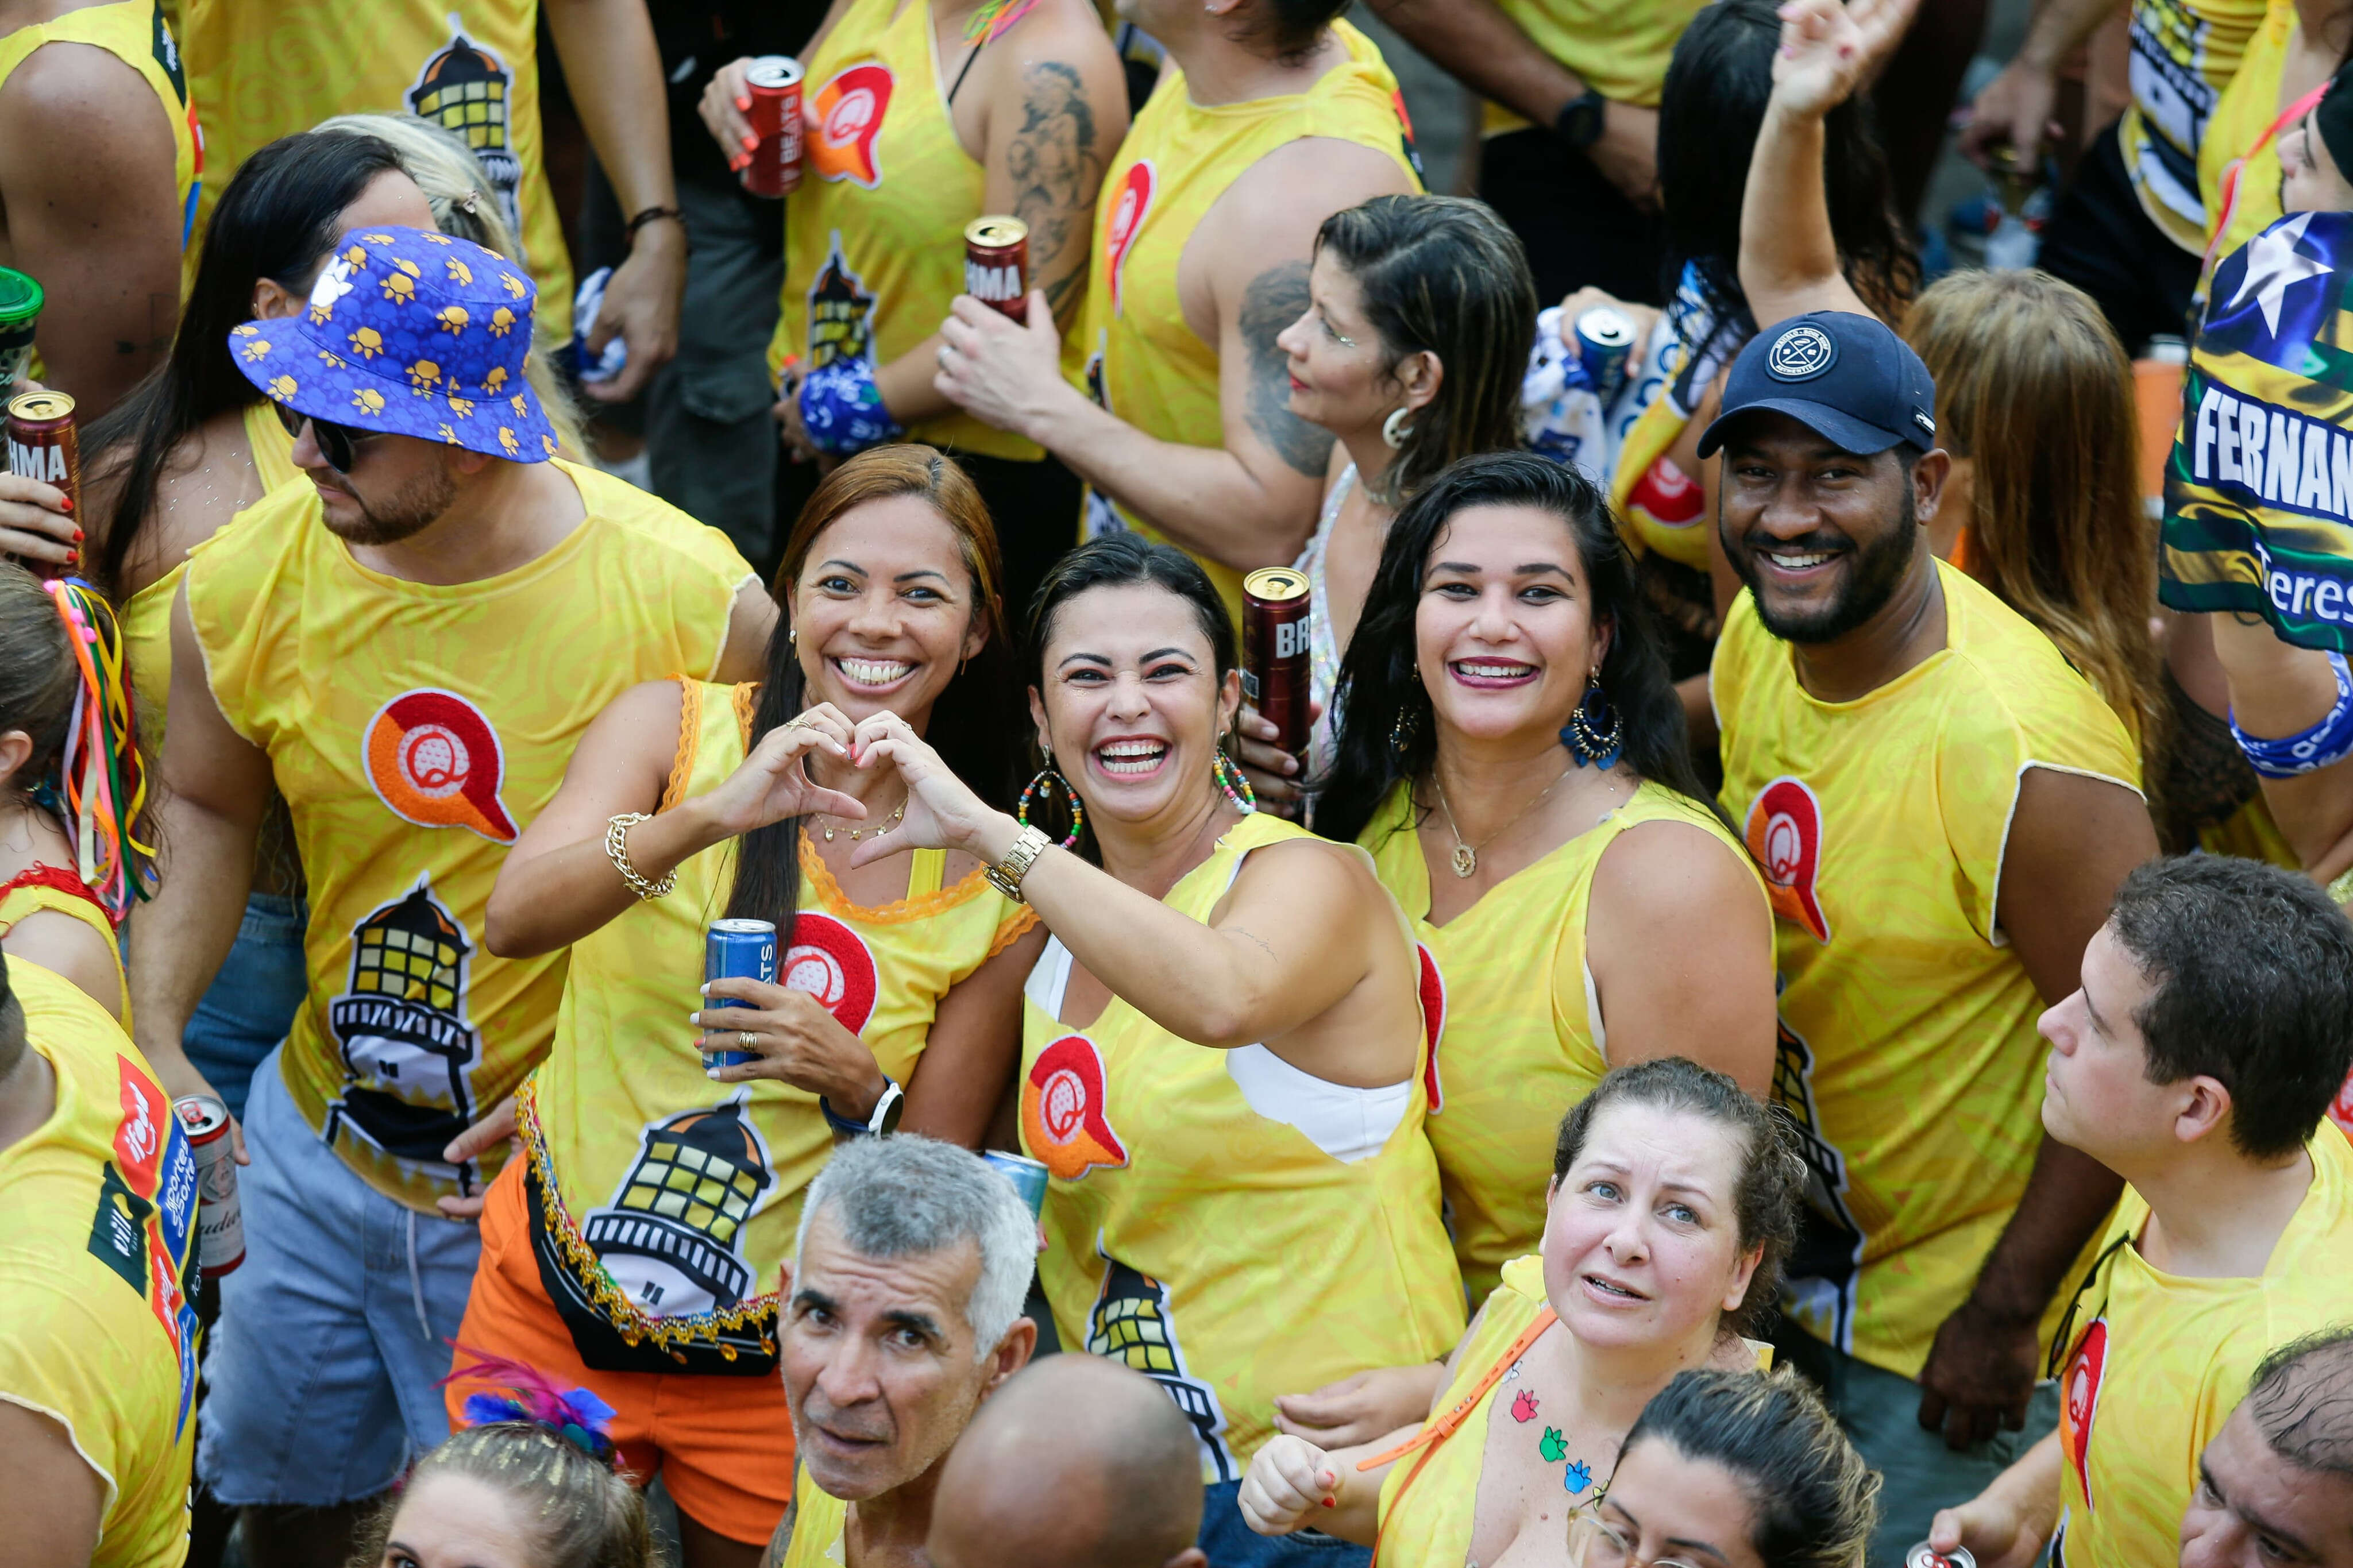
1007,874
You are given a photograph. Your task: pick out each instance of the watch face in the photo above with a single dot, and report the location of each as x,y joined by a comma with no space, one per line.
886,1115
1580,122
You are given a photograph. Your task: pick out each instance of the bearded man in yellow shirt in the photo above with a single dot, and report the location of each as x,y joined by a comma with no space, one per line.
1943,809
2198,1060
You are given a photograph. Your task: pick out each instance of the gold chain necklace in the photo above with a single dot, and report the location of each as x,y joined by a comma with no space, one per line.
888,824
1466,856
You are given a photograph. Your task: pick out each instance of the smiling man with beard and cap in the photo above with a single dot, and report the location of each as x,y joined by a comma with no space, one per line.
1943,809
902,1313
1080,1462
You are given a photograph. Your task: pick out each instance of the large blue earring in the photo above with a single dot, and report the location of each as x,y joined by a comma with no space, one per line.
1596,731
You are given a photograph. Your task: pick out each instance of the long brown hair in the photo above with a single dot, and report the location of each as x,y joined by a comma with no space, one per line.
2032,386
977,725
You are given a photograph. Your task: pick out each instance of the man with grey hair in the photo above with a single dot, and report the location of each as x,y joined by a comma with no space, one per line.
1079,1463
902,1312
2276,1483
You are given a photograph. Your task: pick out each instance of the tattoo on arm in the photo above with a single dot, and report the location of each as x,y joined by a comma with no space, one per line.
780,1544
1055,170
1276,298
1253,938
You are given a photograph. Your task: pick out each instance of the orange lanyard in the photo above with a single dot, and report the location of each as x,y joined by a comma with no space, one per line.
2231,170
1439,1428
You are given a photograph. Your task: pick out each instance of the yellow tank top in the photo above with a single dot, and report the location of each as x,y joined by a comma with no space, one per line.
100,1254
1141,362
665,1202
137,33
1517,1043
61,891
2242,113
1618,49
266,70
2184,55
875,236
820,1520
147,618
2158,1362
449,719
1196,1228
1908,1055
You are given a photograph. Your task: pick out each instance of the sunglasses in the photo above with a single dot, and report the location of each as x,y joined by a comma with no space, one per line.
338,443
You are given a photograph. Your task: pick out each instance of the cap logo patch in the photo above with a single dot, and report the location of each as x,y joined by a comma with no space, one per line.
1923,421
1801,353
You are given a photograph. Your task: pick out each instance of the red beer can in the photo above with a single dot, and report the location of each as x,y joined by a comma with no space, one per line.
42,445
1274,651
774,84
220,1217
996,263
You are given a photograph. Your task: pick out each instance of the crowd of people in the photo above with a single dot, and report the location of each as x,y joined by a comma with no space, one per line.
1794,1008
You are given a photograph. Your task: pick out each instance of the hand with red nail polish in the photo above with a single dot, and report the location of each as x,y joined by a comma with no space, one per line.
725,102
37,523
1293,1484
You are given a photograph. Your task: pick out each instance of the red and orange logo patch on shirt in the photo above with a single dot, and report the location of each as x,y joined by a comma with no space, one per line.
1784,834
1063,1119
844,117
435,761
1126,216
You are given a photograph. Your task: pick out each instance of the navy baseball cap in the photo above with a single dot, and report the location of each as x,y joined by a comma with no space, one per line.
1846,378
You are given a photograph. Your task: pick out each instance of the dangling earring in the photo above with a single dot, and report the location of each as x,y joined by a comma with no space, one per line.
1596,731
1402,733
1394,431
1047,780
792,639
1235,784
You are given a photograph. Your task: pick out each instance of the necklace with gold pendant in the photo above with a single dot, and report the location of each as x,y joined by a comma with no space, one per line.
1466,856
856,834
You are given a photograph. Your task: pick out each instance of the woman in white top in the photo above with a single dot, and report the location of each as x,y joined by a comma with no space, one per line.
1420,313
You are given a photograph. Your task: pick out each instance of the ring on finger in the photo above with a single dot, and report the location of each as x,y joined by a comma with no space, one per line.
941,356
745,1039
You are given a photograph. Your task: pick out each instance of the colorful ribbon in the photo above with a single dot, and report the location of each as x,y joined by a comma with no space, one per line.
100,783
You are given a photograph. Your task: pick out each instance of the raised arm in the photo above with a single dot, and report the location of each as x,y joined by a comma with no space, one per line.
2073,838
1252,500
1788,259
214,785
92,204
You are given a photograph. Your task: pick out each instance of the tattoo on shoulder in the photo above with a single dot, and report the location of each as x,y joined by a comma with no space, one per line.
781,1543
1276,298
1055,169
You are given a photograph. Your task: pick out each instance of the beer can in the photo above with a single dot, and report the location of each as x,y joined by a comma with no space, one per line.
20,312
774,84
42,445
1027,1176
996,263
1605,340
220,1219
1274,651
735,950
1926,1556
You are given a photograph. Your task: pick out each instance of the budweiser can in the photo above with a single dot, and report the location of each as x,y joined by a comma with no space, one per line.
1274,651
996,263
734,950
1604,340
1027,1176
42,445
774,84
1926,1556
220,1220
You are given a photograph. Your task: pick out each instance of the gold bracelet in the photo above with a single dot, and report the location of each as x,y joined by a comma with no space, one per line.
1007,874
616,849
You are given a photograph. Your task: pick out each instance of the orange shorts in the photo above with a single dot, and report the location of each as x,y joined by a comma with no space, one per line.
723,1446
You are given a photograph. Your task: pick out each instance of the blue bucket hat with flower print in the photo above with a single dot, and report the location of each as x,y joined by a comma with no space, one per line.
414,333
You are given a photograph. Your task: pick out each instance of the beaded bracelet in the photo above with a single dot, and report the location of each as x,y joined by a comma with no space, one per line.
616,849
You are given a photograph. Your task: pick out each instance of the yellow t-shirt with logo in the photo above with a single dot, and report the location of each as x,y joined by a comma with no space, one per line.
1908,1055
1508,988
2245,110
265,68
147,618
2160,1362
1204,1240
660,1201
1618,49
413,728
820,1520
98,1269
874,236
1141,362
2184,55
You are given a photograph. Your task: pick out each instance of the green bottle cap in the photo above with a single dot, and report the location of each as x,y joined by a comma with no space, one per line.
20,298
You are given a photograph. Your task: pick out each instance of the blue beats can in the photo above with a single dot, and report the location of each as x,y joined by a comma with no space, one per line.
735,950
1605,340
1027,1176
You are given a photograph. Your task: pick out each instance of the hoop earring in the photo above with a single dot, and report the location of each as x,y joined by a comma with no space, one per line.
1046,780
1393,432
1234,782
1596,731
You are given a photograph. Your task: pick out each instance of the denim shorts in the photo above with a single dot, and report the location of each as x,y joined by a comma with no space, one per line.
336,1329
1230,1543
250,1004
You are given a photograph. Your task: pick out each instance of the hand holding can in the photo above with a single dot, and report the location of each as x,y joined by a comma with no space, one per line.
734,950
773,83
996,264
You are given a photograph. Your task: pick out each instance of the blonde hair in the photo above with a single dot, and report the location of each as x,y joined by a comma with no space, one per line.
579,1511
466,205
2032,386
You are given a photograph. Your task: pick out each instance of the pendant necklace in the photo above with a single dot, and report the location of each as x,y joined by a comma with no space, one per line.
858,833
1466,856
